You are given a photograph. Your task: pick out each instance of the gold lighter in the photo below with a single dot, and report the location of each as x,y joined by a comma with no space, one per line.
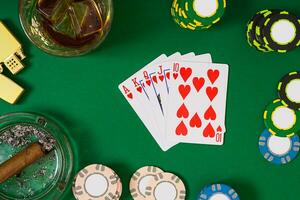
9,90
11,52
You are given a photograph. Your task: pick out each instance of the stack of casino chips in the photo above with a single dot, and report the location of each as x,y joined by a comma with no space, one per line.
197,14
152,183
279,143
274,31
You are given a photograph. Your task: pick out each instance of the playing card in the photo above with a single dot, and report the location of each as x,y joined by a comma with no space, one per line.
157,77
180,99
154,97
173,67
188,55
135,92
157,92
197,103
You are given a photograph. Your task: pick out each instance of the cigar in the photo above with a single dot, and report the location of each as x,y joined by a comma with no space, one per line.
20,161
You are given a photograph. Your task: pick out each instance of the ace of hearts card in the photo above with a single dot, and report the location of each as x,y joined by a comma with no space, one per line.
180,99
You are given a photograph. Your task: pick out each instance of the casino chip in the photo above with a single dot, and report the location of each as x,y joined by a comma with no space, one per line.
278,150
289,90
166,186
281,120
252,37
119,190
197,14
218,192
140,181
274,30
259,28
97,182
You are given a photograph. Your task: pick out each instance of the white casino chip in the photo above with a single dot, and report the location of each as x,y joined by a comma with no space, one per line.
166,186
140,181
96,182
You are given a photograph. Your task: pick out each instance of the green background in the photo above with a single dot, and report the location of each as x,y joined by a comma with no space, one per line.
82,93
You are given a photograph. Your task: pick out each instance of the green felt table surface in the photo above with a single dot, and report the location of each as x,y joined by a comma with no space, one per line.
82,93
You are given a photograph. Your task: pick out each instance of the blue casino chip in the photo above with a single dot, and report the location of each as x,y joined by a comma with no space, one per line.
278,150
218,191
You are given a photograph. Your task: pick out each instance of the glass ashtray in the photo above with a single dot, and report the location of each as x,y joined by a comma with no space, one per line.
48,177
66,27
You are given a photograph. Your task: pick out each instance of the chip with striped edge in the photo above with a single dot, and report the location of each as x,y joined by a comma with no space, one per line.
140,181
187,18
197,14
119,190
274,31
278,150
281,120
289,90
166,186
251,31
205,12
281,31
117,196
96,182
218,192
181,17
260,26
175,13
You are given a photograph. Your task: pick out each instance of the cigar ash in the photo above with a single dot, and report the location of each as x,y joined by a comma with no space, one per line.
39,175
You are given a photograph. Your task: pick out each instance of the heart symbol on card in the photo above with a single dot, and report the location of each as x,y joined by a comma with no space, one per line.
161,77
154,78
209,131
181,129
129,95
148,82
185,73
198,83
210,114
175,75
182,112
219,129
211,92
184,90
195,121
168,75
213,75
139,89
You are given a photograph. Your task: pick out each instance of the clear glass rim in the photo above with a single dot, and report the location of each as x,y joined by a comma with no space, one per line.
69,52
63,147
